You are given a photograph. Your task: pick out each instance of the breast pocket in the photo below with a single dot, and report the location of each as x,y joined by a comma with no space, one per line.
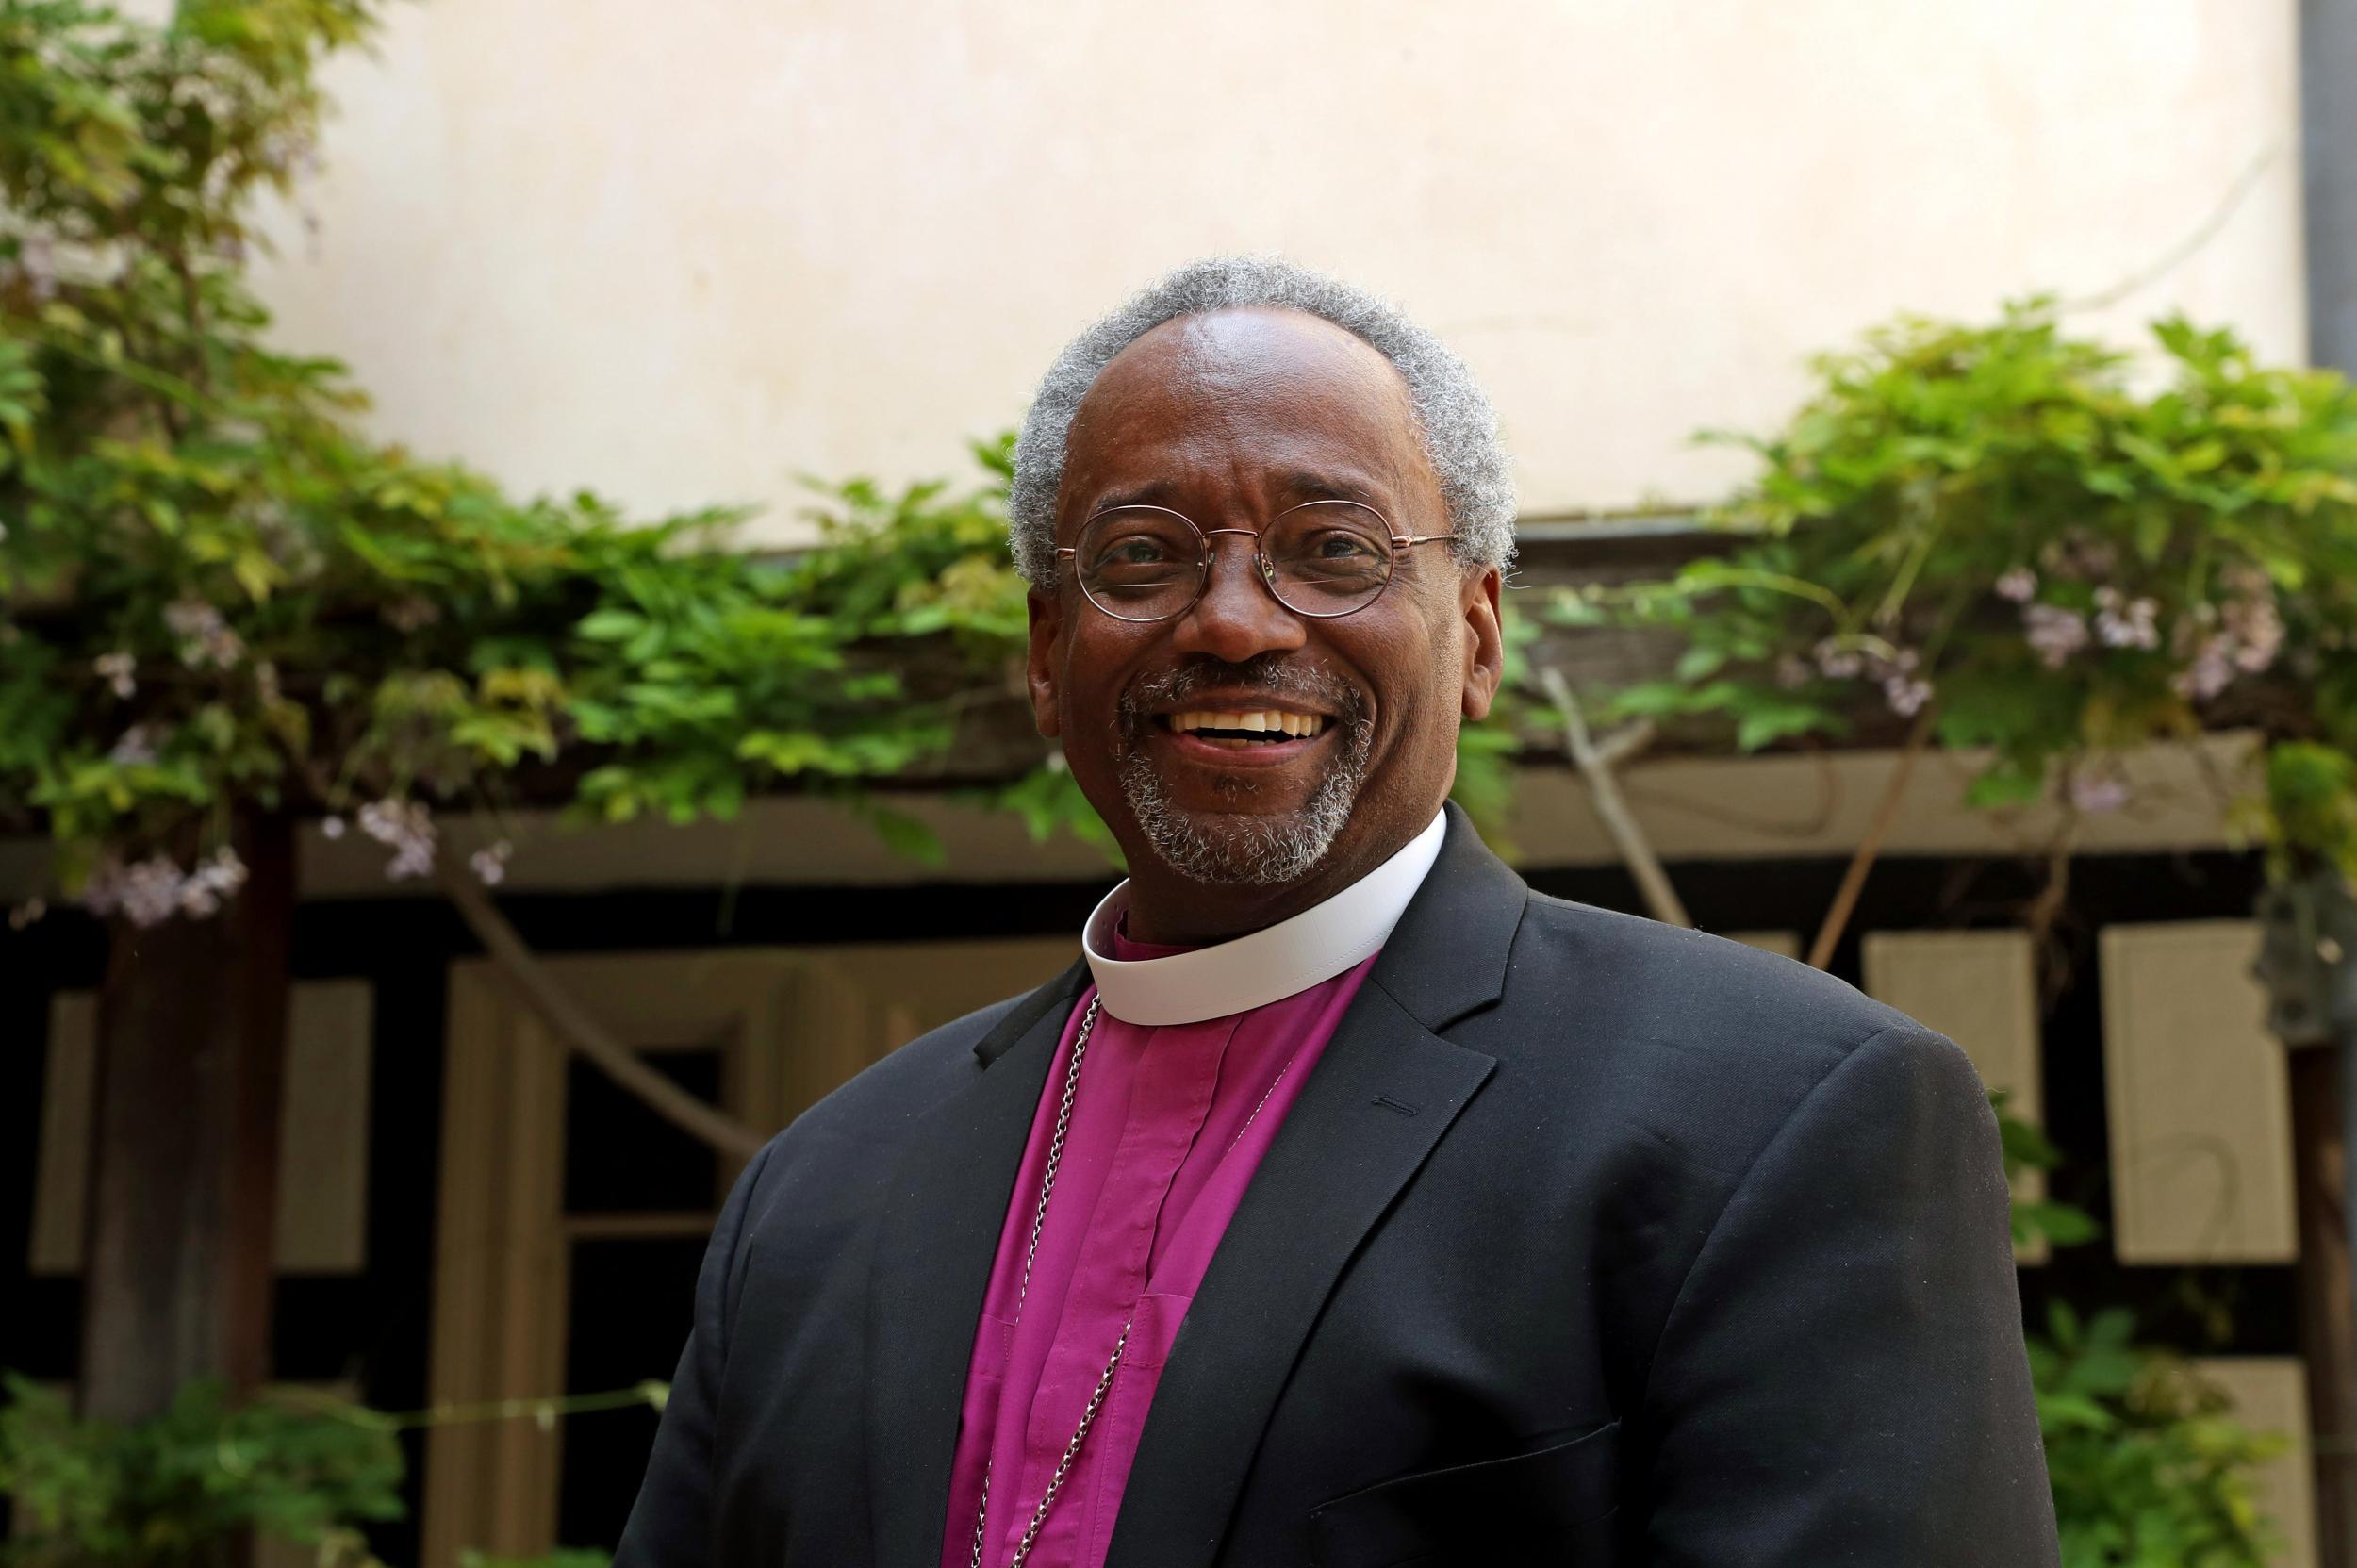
1552,1505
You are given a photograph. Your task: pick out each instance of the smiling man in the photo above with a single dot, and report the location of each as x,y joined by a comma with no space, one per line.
1345,1203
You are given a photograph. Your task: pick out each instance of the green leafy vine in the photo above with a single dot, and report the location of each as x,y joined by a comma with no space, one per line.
2060,550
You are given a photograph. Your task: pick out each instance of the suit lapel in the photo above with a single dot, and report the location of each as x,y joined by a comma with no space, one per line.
1383,1094
933,1252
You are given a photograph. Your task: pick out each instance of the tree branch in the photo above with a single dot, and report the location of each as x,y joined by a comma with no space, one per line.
573,1027
1854,880
2045,911
1595,763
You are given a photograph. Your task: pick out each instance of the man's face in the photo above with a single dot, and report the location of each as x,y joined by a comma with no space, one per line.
1230,418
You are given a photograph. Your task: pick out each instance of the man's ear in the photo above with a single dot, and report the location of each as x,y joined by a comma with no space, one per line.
1039,664
1485,643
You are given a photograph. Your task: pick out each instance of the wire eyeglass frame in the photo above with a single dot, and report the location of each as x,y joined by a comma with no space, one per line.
1400,543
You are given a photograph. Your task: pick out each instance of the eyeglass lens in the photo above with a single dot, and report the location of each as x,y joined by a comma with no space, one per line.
1326,558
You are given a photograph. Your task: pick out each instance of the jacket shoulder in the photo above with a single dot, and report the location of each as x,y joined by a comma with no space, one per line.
1671,983
1678,1041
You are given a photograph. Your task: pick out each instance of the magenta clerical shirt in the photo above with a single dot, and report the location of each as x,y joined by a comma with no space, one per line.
1163,1139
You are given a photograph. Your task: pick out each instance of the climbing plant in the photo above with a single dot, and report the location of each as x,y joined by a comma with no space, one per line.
176,1490
183,1488
217,595
2011,537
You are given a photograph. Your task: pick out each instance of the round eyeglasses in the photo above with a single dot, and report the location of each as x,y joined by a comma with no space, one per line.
1324,559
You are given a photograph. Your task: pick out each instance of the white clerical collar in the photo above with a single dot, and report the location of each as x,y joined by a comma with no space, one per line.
1268,965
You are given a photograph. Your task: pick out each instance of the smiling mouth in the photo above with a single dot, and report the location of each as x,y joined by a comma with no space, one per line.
1238,731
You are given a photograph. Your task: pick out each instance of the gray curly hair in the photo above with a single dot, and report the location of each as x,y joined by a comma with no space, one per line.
1453,413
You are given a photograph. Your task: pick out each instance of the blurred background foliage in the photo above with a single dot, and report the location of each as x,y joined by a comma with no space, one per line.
178,1490
2148,1469
2007,537
190,1487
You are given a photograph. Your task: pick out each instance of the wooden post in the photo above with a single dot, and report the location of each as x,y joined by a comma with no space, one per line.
2328,1311
191,1032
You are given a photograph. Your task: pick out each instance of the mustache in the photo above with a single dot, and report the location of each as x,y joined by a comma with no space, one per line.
1268,674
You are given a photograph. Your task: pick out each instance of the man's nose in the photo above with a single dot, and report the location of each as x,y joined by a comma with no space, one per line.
1236,616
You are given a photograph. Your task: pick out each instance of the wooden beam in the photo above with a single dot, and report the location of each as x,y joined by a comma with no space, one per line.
579,1028
2328,1308
192,1031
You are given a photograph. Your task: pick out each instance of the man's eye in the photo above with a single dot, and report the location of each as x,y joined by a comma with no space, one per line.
1343,545
1135,552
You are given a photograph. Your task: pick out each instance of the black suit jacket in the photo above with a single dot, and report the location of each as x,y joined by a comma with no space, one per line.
1590,1241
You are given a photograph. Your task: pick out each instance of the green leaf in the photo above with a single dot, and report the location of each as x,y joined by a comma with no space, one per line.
2003,785
1763,716
905,835
793,753
1652,700
1698,663
2060,1223
610,625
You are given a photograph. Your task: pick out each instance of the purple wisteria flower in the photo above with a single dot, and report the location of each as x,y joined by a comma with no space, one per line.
135,745
2055,634
2017,584
1893,671
2243,635
2124,622
490,865
1906,694
407,827
156,889
205,638
2098,792
217,878
147,894
116,669
2210,671
1837,662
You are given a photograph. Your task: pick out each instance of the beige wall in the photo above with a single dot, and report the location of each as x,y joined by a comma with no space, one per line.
683,252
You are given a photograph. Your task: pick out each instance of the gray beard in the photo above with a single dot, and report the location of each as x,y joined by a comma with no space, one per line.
1245,849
